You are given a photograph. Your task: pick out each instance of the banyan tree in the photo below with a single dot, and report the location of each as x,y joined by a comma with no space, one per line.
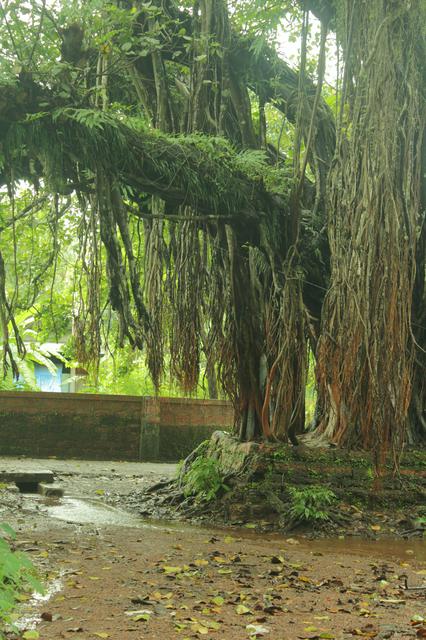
156,113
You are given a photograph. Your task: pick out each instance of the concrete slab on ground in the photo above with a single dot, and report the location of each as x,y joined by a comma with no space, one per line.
50,490
25,476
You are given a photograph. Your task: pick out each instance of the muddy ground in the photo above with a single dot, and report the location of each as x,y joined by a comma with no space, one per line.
113,575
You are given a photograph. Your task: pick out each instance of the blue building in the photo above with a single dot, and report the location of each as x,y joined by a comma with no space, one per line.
58,377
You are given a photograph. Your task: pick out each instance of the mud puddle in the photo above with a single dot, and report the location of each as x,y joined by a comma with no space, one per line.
92,511
391,549
30,611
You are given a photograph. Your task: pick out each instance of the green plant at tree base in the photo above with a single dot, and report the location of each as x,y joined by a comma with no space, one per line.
204,479
17,576
310,504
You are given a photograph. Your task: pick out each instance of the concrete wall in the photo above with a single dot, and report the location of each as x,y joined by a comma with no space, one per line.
105,427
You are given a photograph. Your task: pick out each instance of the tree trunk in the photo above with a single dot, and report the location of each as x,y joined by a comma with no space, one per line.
366,351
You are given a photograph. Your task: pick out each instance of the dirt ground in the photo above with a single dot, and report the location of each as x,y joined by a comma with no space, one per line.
144,580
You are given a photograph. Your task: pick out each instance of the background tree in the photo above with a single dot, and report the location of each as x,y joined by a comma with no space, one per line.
167,115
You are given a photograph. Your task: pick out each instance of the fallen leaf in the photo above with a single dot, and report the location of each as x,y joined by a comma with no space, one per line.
141,616
172,570
417,618
256,630
46,616
200,562
242,610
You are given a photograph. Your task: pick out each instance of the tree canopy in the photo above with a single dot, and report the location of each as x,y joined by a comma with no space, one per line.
242,210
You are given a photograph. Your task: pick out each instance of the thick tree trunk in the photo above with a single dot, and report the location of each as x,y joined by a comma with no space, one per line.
365,364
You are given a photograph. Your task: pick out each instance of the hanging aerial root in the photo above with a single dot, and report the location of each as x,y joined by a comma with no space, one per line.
366,351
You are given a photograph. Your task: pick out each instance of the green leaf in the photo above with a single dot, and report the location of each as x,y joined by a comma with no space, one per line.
141,616
8,529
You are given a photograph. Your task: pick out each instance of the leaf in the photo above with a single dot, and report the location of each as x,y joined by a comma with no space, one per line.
101,634
364,633
375,527
172,570
218,601
214,625
200,562
277,560
256,630
31,635
202,629
242,610
141,616
8,529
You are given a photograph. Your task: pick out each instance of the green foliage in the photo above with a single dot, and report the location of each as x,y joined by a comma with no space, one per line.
281,454
124,371
204,479
17,575
310,504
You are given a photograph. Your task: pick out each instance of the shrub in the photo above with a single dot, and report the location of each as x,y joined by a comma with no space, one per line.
17,575
203,479
310,504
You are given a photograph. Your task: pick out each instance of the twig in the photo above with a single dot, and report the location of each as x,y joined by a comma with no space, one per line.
407,588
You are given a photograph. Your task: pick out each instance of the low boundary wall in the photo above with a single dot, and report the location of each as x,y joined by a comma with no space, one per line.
105,427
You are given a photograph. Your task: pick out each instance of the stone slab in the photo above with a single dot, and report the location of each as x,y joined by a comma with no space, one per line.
27,477
50,490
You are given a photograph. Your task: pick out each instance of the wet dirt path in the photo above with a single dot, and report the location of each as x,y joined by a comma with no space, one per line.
126,583
123,578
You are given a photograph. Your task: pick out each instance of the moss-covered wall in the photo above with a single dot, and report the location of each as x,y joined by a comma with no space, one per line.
99,427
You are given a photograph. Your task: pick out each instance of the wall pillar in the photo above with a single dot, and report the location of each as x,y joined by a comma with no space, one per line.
149,437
